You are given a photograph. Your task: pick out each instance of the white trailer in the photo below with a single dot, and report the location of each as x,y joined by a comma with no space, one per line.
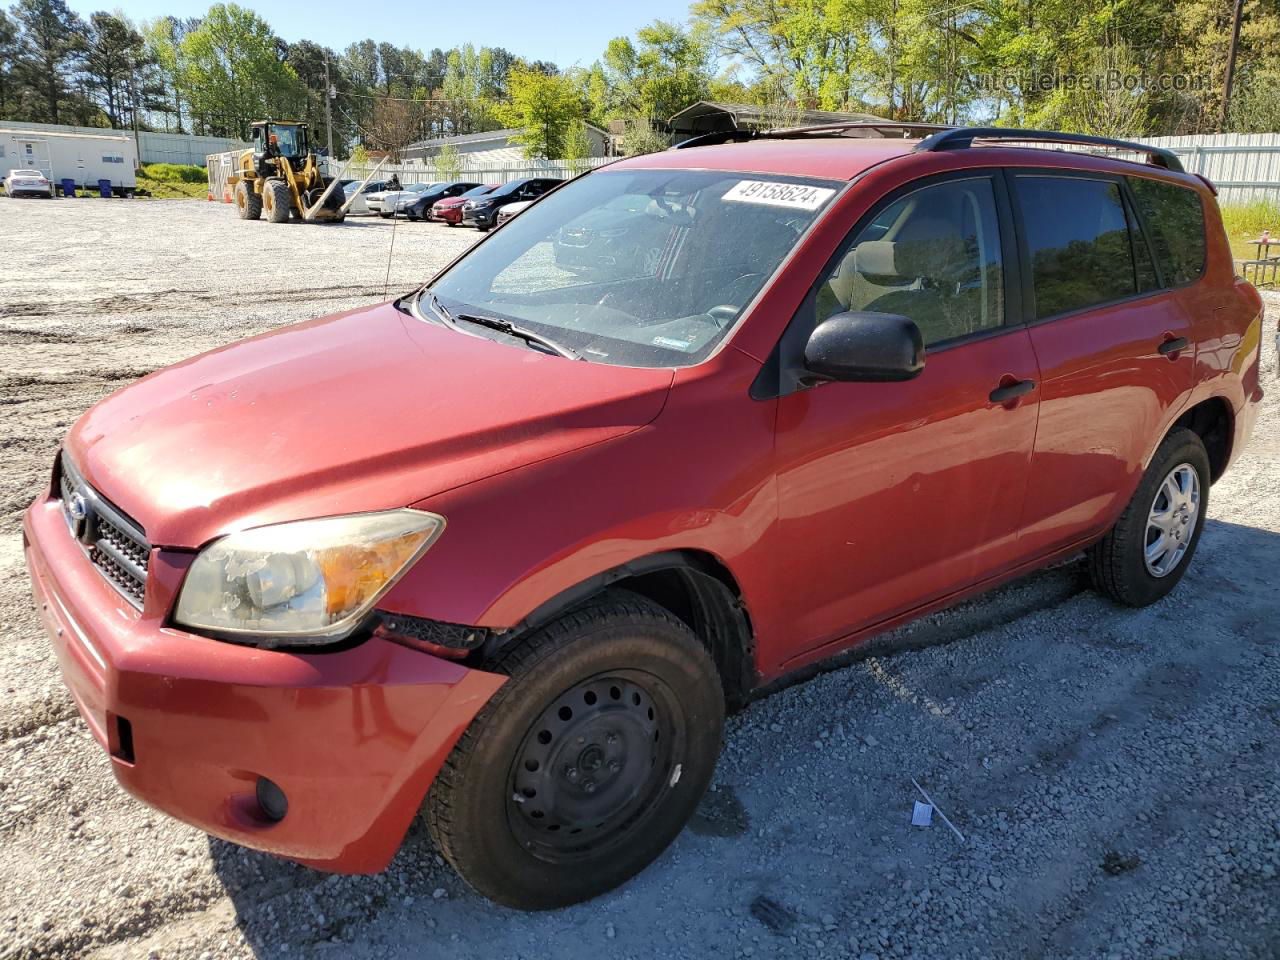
221,166
85,158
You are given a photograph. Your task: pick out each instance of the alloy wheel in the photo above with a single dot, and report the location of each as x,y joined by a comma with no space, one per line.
1171,521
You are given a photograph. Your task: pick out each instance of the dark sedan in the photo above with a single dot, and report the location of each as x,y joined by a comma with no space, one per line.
482,212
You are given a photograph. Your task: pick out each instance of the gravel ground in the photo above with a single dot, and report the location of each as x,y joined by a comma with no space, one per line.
1115,773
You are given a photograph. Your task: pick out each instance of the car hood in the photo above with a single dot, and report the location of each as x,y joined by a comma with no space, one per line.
365,410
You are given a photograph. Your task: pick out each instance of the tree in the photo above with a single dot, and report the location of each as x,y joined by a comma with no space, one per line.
577,146
162,39
112,56
542,107
52,41
639,136
10,49
234,72
448,163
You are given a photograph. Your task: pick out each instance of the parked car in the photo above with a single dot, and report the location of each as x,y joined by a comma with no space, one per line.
419,207
591,244
390,203
867,379
27,183
450,210
361,203
510,210
482,212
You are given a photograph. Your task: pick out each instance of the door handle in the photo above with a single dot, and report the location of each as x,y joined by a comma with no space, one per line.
1011,391
1173,345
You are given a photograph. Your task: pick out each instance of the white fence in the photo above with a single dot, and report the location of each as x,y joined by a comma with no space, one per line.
152,147
1243,166
481,171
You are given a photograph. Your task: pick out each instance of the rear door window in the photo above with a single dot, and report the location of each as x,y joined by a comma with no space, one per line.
1078,238
1174,216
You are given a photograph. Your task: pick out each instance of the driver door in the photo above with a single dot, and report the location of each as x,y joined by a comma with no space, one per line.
892,495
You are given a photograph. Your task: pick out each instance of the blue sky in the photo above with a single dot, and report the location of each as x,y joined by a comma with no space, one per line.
557,30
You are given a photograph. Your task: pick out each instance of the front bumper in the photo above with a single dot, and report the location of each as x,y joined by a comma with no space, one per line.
479,218
354,738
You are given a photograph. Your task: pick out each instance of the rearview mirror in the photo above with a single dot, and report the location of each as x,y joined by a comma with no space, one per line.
865,346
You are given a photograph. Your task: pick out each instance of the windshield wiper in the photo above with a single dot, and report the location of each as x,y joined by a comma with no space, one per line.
521,333
445,316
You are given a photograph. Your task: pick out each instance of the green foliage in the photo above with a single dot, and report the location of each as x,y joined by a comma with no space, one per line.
448,163
184,172
1247,220
173,181
640,137
543,107
234,74
577,146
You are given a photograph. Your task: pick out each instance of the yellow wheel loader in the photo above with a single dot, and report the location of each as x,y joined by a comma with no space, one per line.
280,176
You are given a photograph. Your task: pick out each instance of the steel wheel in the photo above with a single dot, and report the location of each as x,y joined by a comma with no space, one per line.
597,760
1171,521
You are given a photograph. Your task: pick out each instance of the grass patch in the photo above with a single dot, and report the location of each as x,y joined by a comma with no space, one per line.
169,180
1246,221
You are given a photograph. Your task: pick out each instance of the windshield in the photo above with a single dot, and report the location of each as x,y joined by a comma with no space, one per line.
286,140
478,191
644,268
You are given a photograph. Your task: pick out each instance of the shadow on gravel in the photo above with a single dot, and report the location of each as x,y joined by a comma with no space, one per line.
284,909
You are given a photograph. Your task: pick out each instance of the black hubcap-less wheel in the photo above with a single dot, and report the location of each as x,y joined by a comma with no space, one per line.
596,761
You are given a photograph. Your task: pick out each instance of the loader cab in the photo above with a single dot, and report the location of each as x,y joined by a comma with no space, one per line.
287,141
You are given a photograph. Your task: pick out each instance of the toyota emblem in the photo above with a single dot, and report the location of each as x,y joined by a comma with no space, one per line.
78,507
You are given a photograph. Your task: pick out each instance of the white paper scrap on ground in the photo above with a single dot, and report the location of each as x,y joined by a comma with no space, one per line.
922,815
929,800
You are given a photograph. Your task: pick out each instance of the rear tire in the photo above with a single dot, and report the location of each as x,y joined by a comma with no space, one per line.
587,763
248,202
1142,558
276,201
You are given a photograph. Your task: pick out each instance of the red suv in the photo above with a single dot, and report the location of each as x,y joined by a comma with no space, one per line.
505,549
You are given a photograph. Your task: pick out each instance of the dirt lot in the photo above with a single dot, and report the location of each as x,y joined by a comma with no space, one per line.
1116,774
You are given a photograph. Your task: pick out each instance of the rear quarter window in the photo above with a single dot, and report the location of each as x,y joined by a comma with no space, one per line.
1174,218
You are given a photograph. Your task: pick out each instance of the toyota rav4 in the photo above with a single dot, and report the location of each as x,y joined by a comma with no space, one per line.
506,549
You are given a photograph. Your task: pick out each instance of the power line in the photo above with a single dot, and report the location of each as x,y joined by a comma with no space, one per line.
373,96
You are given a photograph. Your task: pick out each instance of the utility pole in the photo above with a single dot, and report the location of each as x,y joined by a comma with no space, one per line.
328,108
1231,62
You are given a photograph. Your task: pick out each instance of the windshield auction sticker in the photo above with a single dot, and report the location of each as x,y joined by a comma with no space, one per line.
797,196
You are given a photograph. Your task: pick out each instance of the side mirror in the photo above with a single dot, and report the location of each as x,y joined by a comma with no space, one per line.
866,346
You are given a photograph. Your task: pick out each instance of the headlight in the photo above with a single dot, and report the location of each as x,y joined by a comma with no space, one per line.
308,581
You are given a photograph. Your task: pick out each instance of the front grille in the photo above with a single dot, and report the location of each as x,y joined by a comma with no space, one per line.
115,544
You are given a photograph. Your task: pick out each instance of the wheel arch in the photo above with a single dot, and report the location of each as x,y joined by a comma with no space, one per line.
694,586
1213,421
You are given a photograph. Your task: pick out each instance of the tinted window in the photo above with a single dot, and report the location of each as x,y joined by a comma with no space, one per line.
1143,264
1079,242
933,256
1175,218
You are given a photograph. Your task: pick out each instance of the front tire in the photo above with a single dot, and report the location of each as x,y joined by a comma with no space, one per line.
276,201
1145,554
587,763
248,202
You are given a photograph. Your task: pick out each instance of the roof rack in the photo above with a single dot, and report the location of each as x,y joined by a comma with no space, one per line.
905,130
961,138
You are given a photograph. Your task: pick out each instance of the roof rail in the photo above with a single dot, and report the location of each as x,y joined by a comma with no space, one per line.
840,129
961,138
905,130
719,136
